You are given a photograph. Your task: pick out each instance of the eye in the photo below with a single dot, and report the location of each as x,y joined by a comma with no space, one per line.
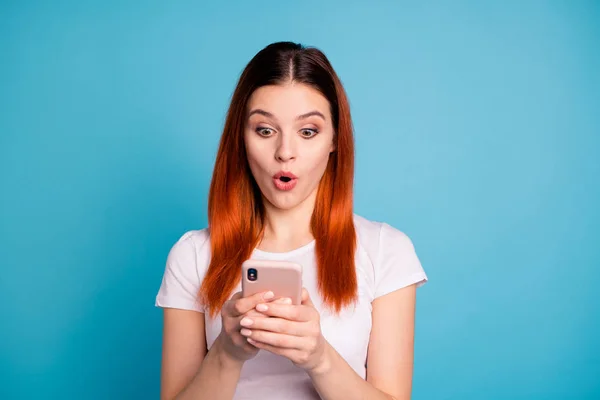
308,133
264,132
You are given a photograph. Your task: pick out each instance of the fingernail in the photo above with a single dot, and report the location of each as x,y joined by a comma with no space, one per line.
262,307
245,332
246,321
287,301
268,295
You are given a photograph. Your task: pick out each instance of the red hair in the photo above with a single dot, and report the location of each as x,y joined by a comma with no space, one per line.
235,209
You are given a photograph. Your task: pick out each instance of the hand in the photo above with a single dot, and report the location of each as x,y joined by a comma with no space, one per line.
235,345
291,331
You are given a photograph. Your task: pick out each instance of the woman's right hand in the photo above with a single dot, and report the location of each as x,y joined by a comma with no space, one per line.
233,343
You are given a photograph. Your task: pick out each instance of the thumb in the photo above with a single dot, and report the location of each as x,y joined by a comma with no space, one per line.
306,298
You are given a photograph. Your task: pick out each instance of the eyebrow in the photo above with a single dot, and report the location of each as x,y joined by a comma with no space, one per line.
300,117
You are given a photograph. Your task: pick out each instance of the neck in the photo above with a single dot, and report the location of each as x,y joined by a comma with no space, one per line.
286,230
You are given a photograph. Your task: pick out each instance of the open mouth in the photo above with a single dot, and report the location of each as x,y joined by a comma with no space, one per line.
284,176
285,180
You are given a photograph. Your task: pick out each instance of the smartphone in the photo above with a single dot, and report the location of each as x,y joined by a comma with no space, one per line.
283,278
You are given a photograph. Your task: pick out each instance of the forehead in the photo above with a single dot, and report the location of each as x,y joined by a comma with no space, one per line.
289,100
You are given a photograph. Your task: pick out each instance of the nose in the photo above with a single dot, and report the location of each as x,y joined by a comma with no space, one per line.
285,149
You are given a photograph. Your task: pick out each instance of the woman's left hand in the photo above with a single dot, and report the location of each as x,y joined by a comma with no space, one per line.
291,331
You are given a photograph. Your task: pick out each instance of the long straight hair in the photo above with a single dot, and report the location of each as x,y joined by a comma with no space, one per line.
235,209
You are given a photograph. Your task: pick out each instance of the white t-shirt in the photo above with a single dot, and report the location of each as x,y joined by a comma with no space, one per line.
385,261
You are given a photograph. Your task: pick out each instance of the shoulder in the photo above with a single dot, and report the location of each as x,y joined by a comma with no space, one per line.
196,239
186,265
380,236
191,250
391,254
366,227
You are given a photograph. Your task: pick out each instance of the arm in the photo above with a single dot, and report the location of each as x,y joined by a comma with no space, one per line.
187,370
294,332
389,360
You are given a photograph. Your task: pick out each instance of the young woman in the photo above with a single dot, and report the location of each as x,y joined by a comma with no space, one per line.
282,190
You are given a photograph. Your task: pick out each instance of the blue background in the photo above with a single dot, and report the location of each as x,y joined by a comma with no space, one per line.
477,131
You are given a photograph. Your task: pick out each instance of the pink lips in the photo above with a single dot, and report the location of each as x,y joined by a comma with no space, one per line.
284,180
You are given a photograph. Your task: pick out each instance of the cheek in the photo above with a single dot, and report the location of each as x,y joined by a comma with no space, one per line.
257,154
317,160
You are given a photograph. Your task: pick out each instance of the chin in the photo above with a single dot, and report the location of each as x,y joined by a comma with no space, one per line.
282,203
286,200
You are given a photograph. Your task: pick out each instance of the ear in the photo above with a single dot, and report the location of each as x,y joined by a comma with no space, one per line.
333,146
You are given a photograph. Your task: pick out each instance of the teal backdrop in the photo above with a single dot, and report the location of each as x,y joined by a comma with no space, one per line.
477,134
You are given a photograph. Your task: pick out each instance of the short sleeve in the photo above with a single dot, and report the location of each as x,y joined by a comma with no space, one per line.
181,280
398,265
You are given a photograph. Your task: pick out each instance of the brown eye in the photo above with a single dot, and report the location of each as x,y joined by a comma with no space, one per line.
265,132
308,133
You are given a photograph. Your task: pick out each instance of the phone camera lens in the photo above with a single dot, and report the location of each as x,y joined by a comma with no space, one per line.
252,274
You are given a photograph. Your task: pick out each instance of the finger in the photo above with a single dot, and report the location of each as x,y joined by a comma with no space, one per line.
254,314
227,307
288,353
275,339
257,314
249,347
277,325
285,311
306,298
242,305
